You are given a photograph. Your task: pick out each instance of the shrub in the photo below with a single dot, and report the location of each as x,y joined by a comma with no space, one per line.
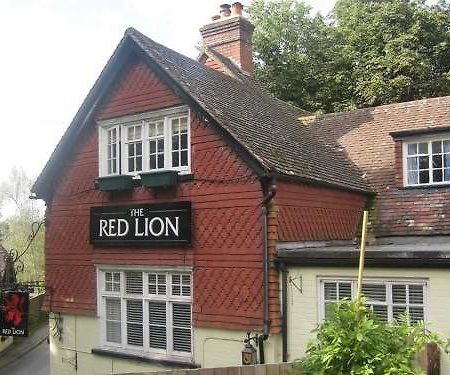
357,343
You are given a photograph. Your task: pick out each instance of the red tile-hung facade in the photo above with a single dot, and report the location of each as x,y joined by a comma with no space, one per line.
365,135
226,253
313,213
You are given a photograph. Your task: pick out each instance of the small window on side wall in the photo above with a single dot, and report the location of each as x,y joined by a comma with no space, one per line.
426,162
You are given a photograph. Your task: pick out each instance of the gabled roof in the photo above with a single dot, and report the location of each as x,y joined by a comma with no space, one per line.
266,129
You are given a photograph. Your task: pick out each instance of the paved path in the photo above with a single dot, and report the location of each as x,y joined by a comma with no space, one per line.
28,355
35,362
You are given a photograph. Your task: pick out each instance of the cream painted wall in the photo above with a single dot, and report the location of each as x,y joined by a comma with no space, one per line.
303,301
212,348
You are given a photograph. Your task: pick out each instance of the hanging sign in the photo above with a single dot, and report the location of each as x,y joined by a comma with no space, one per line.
15,311
142,225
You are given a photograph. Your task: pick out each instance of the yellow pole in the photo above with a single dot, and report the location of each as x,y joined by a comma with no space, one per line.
361,260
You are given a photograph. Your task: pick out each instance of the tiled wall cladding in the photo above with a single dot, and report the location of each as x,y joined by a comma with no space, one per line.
227,245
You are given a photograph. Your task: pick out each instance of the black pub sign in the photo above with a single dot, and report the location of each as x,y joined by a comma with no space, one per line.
142,225
14,313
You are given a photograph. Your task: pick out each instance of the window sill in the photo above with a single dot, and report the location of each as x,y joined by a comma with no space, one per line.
428,187
144,358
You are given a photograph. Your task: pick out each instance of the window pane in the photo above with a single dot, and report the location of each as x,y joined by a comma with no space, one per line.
175,142
437,175
113,320
398,311
160,145
152,161
424,177
415,294
447,174
398,293
161,161
437,161
184,144
157,325
181,318
423,148
183,124
416,314
134,323
412,163
423,162
381,312
330,291
345,290
175,126
374,292
133,282
412,149
139,164
175,159
184,158
446,146
446,160
413,178
436,147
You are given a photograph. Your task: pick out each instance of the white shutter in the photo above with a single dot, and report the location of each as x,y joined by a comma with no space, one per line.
134,282
376,295
113,320
157,324
181,321
135,323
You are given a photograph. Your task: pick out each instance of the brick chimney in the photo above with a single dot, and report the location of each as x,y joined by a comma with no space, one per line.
230,34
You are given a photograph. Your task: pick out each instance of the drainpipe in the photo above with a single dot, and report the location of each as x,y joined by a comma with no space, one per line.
284,308
270,189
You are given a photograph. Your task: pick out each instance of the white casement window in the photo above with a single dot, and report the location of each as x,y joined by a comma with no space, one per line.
426,162
147,142
387,298
146,311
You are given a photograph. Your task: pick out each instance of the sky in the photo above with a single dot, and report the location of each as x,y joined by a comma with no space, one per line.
52,51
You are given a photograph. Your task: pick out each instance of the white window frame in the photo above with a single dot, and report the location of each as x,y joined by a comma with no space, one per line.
121,123
145,350
387,281
424,139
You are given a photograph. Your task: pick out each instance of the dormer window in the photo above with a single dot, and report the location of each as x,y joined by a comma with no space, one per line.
427,162
148,142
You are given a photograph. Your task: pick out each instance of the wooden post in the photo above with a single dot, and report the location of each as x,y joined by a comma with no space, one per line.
361,260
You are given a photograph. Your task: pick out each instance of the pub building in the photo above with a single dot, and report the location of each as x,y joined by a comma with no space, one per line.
177,201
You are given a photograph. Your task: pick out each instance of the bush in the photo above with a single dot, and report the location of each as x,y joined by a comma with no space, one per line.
359,344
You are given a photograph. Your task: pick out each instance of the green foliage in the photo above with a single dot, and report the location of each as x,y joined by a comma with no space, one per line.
348,344
16,228
365,53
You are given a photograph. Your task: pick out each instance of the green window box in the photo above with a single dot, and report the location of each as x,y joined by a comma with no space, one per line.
159,179
115,183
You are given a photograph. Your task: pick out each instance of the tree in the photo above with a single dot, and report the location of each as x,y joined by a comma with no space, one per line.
365,53
16,228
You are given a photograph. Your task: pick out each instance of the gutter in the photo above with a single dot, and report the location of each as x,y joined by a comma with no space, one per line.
270,190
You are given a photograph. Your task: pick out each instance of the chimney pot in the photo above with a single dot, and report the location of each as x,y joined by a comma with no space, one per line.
225,10
236,8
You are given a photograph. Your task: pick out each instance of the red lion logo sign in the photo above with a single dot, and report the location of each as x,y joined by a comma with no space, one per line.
14,320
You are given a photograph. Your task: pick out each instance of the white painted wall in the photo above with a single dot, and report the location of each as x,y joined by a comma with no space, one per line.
212,348
303,301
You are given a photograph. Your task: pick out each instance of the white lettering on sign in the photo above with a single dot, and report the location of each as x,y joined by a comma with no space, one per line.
156,227
136,212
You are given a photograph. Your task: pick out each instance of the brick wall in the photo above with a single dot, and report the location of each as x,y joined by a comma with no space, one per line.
226,253
365,136
232,37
